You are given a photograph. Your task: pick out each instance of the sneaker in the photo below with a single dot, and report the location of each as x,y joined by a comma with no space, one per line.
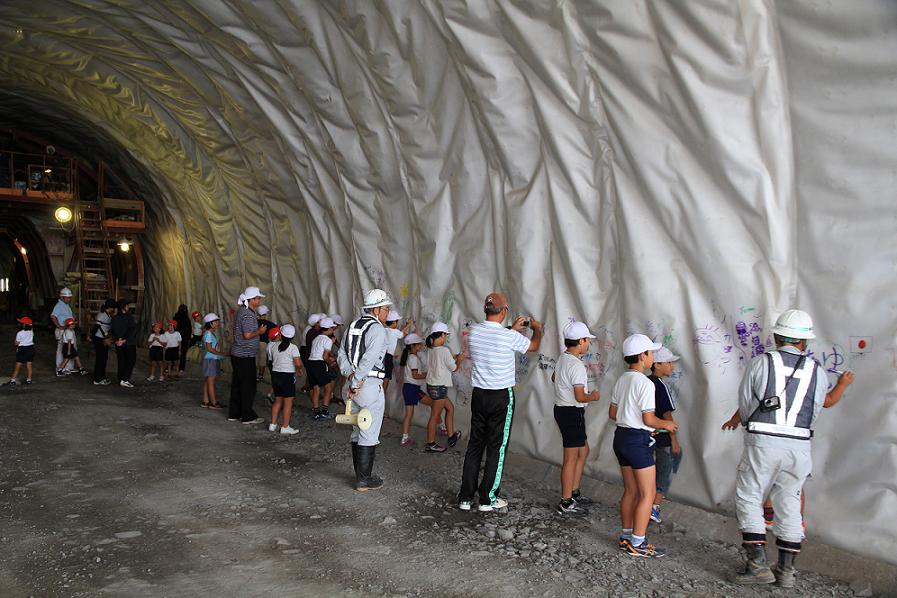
583,500
464,505
655,514
325,414
454,438
12,382
499,503
289,431
406,441
572,510
126,384
257,420
623,544
233,419
432,447
60,373
102,382
644,550
162,378
441,431
272,427
151,378
316,415
30,381
83,371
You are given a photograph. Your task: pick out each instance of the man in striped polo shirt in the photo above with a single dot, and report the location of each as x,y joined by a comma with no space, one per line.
493,350
242,357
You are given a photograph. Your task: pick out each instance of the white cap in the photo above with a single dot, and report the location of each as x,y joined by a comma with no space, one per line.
636,344
413,338
327,323
287,331
664,355
393,316
439,327
210,317
252,293
314,319
376,298
337,319
263,310
794,323
65,292
576,330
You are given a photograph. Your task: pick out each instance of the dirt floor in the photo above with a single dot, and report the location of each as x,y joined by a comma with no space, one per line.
109,491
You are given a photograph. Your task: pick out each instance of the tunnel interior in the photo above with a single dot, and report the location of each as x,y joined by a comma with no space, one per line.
686,170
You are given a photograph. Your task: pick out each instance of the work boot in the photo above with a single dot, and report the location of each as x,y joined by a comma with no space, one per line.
365,480
756,570
355,458
784,569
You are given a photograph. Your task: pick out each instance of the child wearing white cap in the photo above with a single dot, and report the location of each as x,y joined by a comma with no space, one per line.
261,360
632,407
320,356
285,364
211,362
440,365
571,397
415,375
667,452
393,335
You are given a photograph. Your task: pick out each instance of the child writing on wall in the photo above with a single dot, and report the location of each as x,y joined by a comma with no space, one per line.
24,350
415,375
667,452
393,335
211,362
440,365
320,356
70,348
156,346
632,407
571,397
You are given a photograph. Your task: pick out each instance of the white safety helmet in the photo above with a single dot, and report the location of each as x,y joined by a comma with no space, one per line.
287,331
210,317
794,323
376,298
65,292
263,310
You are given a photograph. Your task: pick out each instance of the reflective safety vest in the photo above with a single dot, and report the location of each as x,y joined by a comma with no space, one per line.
355,343
796,389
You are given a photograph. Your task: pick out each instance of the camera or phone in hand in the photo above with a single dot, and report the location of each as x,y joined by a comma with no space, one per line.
525,323
768,404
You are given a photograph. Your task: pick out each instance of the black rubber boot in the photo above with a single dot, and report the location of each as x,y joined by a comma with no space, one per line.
756,570
784,569
365,480
355,459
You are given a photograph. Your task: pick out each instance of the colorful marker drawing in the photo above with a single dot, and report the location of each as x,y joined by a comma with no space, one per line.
731,341
376,276
833,360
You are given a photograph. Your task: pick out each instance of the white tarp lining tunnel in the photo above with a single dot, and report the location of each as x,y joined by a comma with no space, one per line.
685,169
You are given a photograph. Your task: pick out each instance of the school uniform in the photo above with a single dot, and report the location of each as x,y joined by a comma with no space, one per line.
393,336
666,461
69,344
196,336
25,346
440,365
569,414
633,444
156,347
411,389
318,374
172,342
283,370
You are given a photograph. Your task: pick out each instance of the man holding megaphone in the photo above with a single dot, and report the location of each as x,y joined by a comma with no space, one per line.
360,359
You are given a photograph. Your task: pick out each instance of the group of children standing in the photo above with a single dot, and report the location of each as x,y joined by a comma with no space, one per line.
645,442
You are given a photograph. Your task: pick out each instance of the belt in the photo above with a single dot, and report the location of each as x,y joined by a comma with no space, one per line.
777,430
376,374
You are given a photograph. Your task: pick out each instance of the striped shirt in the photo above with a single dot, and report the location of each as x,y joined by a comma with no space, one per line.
245,321
492,350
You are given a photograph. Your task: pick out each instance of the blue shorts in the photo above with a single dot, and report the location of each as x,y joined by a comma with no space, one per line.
667,465
634,448
412,394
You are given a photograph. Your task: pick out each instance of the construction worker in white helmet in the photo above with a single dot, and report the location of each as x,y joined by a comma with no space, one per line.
780,397
360,359
62,311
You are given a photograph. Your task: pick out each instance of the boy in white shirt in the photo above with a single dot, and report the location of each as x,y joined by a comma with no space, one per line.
172,339
571,397
320,356
70,348
632,407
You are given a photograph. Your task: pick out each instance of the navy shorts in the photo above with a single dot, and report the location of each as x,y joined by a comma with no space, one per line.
388,365
25,354
283,384
634,448
412,394
69,351
572,423
437,393
173,353
156,353
318,375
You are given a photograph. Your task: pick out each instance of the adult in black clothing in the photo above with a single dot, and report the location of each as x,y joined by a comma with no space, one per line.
182,317
124,331
101,337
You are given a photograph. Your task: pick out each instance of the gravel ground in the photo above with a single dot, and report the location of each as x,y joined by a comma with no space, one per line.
142,493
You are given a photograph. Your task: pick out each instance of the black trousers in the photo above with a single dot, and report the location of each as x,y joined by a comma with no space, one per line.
242,389
101,353
127,357
185,346
491,415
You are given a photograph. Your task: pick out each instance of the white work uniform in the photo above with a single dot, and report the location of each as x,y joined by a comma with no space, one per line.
370,395
775,466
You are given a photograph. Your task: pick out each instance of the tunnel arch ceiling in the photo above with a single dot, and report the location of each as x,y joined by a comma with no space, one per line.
683,169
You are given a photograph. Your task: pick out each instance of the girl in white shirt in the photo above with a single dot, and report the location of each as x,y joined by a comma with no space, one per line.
285,364
321,355
415,375
440,365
